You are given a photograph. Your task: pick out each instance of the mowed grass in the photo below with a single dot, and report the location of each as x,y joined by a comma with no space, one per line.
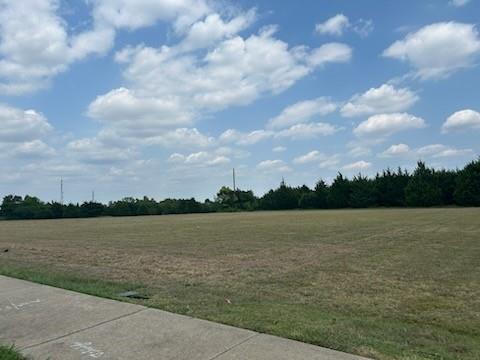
386,284
9,353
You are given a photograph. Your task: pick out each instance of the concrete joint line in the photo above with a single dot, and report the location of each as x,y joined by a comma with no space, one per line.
80,330
234,346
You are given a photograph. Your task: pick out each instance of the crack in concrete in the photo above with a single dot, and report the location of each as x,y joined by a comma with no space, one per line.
234,346
84,329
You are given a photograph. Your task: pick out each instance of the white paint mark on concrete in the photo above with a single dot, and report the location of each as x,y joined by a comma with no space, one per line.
87,349
18,307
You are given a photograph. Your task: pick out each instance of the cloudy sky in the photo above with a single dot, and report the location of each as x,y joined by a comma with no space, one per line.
163,98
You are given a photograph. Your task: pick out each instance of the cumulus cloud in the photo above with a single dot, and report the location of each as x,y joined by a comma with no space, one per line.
359,151
23,134
213,28
279,149
302,111
384,125
201,159
35,44
135,14
245,139
339,23
330,53
438,50
31,150
295,132
307,131
94,151
310,157
182,138
396,150
316,157
135,116
459,3
357,166
441,151
172,86
462,120
236,72
384,99
19,125
428,151
273,166
320,159
336,25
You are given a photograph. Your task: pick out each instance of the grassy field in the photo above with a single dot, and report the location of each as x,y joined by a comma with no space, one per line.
388,284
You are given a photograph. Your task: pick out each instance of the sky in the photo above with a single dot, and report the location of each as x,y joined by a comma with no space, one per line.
164,98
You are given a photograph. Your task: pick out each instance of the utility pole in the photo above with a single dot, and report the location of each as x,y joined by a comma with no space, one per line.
61,191
93,196
234,184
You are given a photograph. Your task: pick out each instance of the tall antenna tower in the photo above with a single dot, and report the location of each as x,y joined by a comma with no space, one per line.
61,191
234,182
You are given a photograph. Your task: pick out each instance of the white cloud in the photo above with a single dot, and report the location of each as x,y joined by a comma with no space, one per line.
384,125
396,150
19,125
94,151
462,120
295,132
331,162
438,50
302,111
357,166
244,139
213,28
441,151
428,151
459,3
134,14
35,44
271,166
322,160
339,23
173,86
307,131
384,99
232,152
312,156
35,149
134,116
236,72
363,27
330,53
359,151
336,25
182,138
279,149
200,159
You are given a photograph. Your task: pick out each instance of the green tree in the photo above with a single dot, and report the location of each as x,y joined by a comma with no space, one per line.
423,189
467,189
339,194
362,193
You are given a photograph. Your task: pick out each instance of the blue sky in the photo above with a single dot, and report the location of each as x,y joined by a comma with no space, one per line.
162,98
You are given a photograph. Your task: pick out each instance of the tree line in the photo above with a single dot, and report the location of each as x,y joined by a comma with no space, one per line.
425,187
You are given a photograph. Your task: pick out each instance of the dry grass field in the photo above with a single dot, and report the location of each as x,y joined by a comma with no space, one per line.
388,284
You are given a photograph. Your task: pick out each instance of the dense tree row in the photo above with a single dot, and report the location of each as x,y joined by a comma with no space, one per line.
423,188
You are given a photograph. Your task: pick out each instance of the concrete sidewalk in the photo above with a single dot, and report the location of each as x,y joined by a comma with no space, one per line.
56,324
